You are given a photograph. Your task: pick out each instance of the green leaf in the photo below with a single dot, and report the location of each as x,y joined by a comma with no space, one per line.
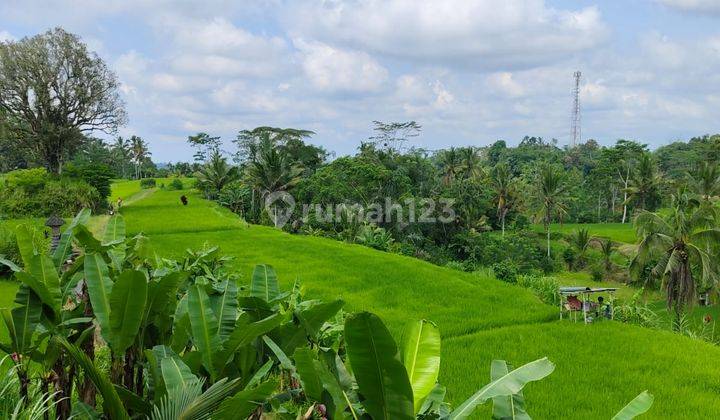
304,363
25,317
9,264
82,411
381,377
225,307
204,327
114,230
506,406
264,283
127,304
246,401
112,404
162,299
42,269
420,353
24,236
311,320
639,405
99,288
175,373
244,334
281,356
509,384
62,252
37,287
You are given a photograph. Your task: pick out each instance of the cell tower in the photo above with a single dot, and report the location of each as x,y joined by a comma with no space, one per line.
575,122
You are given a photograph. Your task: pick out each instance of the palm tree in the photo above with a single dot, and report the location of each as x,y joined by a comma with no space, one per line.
705,180
684,244
471,166
581,241
550,194
215,174
272,171
450,164
139,152
607,247
502,180
643,182
120,150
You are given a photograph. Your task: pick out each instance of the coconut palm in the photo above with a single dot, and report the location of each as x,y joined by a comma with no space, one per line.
121,155
139,152
502,180
215,174
705,180
470,161
644,182
272,171
550,194
450,165
684,245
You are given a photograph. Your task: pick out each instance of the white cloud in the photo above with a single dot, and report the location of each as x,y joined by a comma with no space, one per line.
486,34
336,70
700,6
6,36
504,83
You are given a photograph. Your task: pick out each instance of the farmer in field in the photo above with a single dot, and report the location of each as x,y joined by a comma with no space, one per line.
184,200
119,202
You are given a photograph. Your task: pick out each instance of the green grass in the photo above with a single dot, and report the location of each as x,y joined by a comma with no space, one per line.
397,288
600,367
618,232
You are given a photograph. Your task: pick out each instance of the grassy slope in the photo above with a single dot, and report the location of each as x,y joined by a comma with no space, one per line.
600,366
616,231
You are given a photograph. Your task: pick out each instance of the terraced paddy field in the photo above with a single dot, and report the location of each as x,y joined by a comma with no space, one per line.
619,232
599,367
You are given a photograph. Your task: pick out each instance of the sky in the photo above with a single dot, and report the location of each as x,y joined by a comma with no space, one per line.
469,71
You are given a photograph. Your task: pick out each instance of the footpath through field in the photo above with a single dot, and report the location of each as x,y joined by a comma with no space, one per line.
600,367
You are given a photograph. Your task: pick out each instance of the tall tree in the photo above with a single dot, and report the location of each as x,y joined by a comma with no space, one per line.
705,180
450,165
471,163
550,192
215,174
684,244
121,156
54,89
249,142
140,153
205,145
501,180
272,170
643,185
393,136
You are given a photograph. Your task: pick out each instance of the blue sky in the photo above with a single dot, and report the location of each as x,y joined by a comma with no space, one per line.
469,71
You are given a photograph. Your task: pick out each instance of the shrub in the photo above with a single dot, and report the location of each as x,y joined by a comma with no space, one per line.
546,288
455,265
97,175
8,249
29,180
175,184
569,255
374,237
148,183
64,197
506,271
237,197
597,273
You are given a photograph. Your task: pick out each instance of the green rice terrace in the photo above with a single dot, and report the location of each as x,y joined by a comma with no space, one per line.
480,318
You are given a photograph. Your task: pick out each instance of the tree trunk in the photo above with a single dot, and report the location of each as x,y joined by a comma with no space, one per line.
63,390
